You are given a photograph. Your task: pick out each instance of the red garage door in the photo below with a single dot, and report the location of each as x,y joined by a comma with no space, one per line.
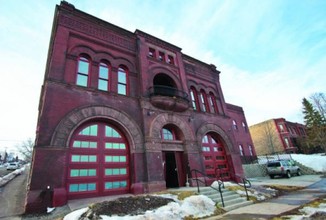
215,158
98,162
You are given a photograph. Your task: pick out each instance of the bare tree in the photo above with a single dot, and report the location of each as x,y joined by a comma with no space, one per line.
270,137
319,103
26,149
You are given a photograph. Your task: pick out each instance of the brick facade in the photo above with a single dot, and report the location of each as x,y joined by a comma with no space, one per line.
157,96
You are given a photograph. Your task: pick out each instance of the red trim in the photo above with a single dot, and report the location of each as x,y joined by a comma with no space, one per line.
100,165
217,151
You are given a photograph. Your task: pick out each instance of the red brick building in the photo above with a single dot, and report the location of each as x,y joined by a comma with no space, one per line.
124,112
276,136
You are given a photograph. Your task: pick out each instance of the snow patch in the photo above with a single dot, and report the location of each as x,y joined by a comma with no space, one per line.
197,206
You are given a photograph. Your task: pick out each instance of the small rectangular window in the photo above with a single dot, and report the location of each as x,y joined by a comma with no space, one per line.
170,59
151,52
161,56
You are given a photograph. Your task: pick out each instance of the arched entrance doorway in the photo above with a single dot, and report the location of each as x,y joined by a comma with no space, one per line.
215,159
98,161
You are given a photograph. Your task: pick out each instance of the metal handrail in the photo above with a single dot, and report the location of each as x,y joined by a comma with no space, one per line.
220,184
246,184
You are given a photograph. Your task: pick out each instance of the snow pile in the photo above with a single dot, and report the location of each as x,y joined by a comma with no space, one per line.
196,206
308,212
316,162
75,215
4,180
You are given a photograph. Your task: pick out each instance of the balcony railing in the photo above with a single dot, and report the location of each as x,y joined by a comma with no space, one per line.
168,91
168,98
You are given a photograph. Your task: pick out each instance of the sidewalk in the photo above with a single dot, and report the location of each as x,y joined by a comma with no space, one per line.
315,187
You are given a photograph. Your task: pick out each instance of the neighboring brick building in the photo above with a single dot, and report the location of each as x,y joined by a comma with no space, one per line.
277,135
124,112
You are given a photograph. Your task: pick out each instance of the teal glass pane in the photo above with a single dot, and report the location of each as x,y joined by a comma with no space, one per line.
73,188
116,185
92,172
74,173
83,66
82,187
84,158
85,131
123,158
167,134
84,144
75,158
122,146
115,172
91,186
90,130
77,144
116,146
115,134
123,183
108,145
116,159
103,72
103,85
108,158
108,185
83,172
93,144
110,132
122,76
123,171
93,130
122,89
82,80
108,172
92,158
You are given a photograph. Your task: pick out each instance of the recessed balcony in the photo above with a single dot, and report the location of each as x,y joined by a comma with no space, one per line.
168,98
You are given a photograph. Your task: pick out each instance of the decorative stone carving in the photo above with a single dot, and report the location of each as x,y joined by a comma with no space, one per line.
99,32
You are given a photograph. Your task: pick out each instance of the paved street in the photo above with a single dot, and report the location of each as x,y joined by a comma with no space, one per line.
12,198
4,171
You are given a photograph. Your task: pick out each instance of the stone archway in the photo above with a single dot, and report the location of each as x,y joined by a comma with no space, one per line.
206,128
68,124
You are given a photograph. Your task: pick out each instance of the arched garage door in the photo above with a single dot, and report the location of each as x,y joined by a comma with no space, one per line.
215,159
98,162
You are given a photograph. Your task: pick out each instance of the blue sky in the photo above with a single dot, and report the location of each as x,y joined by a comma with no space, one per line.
270,53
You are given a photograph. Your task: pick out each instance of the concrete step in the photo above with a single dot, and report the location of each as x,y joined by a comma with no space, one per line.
231,199
237,205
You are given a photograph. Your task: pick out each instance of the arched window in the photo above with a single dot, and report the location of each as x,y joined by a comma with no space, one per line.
82,71
103,76
168,134
203,101
212,103
250,150
244,127
122,81
241,150
194,98
234,125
